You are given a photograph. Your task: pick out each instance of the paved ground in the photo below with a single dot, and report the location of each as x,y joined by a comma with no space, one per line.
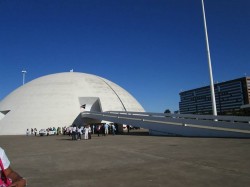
130,160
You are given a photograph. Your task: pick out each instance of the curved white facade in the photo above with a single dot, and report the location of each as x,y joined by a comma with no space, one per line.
55,101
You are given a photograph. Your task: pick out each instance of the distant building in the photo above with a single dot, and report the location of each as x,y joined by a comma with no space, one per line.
232,98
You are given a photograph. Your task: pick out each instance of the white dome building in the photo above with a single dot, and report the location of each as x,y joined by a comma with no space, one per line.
55,101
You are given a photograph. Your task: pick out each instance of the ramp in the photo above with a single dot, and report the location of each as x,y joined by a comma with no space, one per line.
179,124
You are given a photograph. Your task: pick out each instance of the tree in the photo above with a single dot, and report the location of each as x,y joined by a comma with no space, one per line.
167,111
176,112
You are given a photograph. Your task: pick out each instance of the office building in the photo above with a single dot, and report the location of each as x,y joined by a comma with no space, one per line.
232,98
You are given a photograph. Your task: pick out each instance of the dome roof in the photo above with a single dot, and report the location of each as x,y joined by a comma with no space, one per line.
55,101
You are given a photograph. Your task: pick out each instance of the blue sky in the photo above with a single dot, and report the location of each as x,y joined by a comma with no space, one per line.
152,48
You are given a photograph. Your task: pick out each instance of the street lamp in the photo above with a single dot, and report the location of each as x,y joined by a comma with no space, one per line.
209,63
24,72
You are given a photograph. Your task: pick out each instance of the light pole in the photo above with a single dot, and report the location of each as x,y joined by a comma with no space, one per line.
24,72
209,63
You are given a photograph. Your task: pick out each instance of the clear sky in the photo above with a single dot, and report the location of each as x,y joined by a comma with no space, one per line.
152,48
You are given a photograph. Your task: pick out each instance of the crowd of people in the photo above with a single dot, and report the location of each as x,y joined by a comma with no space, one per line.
31,131
49,131
77,132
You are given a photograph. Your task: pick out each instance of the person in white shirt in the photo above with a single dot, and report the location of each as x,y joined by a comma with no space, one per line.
106,127
86,134
16,179
79,133
35,131
27,132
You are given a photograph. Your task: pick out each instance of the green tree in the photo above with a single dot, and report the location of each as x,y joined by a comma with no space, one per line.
167,111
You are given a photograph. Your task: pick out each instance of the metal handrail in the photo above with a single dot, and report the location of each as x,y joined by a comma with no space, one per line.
172,122
243,119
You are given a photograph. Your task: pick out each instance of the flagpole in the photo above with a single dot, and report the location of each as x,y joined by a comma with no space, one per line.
209,63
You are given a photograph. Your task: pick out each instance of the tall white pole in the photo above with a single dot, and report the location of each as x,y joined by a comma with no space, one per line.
24,72
209,63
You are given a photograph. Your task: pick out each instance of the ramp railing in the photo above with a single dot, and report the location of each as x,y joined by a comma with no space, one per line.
162,122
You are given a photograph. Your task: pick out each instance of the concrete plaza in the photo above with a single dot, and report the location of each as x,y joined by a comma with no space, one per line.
133,160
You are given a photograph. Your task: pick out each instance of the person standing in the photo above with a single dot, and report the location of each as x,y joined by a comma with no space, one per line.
103,129
89,134
128,128
35,131
58,131
98,129
86,132
7,173
74,132
106,129
79,133
113,128
27,132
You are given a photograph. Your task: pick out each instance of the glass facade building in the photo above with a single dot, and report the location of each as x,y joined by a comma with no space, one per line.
230,96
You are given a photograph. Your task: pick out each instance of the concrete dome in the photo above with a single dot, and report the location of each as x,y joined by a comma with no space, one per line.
55,101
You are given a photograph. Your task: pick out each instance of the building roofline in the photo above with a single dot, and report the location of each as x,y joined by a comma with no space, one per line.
237,79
